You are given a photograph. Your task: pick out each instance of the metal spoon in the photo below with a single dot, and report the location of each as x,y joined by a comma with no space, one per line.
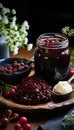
64,95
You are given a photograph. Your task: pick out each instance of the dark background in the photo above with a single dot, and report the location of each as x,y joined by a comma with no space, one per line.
43,16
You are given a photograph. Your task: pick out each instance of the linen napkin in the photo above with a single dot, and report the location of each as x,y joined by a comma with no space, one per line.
55,123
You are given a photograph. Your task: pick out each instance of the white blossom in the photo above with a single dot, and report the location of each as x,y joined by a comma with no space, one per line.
15,33
5,19
13,11
26,40
14,19
13,26
5,10
18,44
29,47
15,50
25,25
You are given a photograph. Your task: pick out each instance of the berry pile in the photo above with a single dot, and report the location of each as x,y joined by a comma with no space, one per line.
14,67
10,116
32,91
47,42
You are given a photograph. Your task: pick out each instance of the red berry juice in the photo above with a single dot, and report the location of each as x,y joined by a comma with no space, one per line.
52,57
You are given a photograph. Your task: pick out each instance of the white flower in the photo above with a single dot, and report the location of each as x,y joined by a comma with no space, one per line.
25,25
5,10
26,40
15,51
5,19
18,44
14,19
29,47
13,11
14,27
15,33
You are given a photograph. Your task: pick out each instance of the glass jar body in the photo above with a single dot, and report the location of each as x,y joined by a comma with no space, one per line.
52,57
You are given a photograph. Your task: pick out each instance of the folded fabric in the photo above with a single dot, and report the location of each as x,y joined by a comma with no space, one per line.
55,123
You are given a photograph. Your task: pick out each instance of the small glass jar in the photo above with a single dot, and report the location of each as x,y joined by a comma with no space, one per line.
52,57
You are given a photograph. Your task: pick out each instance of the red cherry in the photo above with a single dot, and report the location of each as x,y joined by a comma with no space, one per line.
4,121
15,116
71,71
15,87
27,126
12,91
18,126
6,93
8,112
23,120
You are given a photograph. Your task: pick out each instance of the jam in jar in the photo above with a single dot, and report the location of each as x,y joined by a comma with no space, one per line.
52,57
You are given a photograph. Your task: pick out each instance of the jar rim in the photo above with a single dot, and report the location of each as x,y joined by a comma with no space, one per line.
61,44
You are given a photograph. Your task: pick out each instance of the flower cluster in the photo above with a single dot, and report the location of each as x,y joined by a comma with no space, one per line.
15,34
68,31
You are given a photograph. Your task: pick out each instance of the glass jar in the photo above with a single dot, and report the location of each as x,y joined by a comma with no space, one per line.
52,57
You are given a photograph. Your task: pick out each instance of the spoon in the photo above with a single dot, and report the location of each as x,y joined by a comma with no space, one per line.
66,94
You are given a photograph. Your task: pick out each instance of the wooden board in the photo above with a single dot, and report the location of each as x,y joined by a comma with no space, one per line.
46,107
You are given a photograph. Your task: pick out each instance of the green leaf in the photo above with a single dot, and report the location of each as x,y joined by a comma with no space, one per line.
8,88
72,60
72,52
72,112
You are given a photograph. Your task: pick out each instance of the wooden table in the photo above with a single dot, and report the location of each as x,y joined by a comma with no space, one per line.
35,119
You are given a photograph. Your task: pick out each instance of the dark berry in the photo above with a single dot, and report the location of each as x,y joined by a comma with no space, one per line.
18,126
15,117
12,91
27,126
23,120
4,121
8,112
32,91
6,93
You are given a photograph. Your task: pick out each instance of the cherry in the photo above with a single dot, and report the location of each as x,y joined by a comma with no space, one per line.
18,126
14,67
8,112
23,120
4,121
71,71
27,126
26,67
15,87
6,93
15,116
12,91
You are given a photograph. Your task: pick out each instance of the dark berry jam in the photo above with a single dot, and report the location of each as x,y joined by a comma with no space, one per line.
32,91
52,57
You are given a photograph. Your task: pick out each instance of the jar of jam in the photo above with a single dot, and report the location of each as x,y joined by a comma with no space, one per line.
52,57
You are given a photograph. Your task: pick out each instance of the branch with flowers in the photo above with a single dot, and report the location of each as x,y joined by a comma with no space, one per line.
69,32
15,34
